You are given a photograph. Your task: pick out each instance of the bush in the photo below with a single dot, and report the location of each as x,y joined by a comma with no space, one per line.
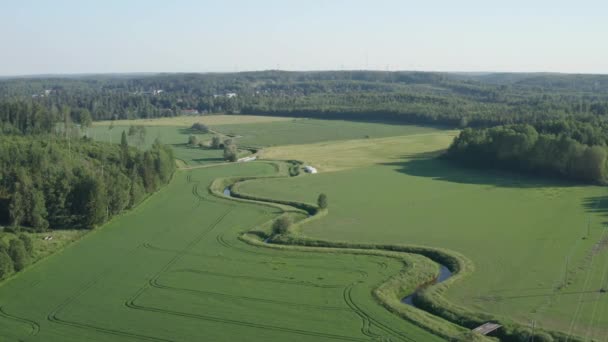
281,225
322,201
294,170
200,127
216,142
6,265
230,152
192,140
18,254
27,243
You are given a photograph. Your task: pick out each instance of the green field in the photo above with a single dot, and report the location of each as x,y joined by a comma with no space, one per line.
517,231
306,131
174,270
177,137
178,268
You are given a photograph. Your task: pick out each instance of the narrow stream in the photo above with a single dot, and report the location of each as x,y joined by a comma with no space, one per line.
444,272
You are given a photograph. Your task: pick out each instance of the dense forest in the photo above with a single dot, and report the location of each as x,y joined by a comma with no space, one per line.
50,182
31,105
569,149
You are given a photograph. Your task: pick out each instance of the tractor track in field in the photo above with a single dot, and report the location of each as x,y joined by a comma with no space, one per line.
261,253
363,274
133,305
247,298
34,326
53,316
261,279
367,320
370,321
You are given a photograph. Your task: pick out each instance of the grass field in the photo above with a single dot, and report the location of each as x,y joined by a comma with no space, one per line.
348,154
174,270
177,137
307,131
517,230
187,121
249,131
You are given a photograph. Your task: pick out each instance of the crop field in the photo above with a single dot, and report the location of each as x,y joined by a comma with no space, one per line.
178,267
174,270
187,121
307,131
247,131
518,231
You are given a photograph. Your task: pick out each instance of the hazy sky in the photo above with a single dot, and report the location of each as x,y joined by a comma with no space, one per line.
86,36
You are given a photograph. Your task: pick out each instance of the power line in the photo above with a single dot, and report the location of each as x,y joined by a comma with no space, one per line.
599,293
580,299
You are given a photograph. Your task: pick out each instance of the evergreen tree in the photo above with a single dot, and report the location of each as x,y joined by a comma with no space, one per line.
230,151
38,213
322,201
216,142
124,149
6,264
27,243
17,206
18,253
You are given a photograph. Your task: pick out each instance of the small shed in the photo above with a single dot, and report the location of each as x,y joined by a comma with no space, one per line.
310,169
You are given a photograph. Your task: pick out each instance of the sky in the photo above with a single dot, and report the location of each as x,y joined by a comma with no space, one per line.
124,36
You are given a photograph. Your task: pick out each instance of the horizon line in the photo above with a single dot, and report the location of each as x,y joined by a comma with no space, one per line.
83,74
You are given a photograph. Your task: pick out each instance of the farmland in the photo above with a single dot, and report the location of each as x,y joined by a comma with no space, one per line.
517,230
175,264
178,267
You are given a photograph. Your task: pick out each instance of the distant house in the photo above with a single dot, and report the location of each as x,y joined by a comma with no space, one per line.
189,111
227,95
310,169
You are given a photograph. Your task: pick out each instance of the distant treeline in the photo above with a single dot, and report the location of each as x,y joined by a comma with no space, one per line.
569,149
31,105
52,182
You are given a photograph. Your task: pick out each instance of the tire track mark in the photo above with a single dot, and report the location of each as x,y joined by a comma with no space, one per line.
253,299
246,324
373,321
35,327
261,279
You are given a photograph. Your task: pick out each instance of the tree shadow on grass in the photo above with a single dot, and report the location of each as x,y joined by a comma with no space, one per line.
597,205
190,131
431,165
208,160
